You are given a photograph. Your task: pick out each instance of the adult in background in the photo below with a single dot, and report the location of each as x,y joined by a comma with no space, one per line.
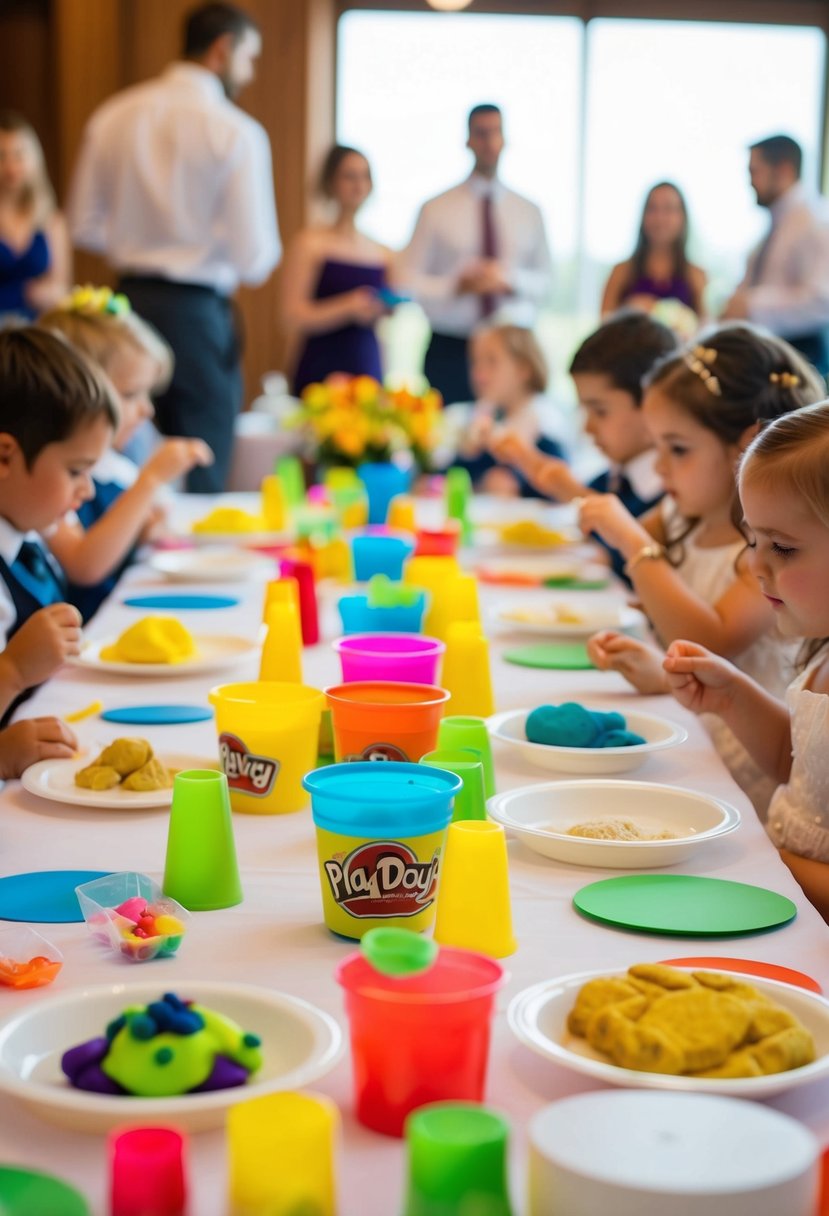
658,268
786,283
333,278
479,251
174,185
35,257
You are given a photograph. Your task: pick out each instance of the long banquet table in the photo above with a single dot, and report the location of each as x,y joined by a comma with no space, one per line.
276,937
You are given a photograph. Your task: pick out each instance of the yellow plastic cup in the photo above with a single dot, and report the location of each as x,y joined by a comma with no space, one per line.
282,649
280,591
439,576
466,672
281,1156
473,906
268,736
274,506
401,514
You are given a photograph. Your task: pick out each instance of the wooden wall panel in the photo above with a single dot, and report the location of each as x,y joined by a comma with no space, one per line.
25,69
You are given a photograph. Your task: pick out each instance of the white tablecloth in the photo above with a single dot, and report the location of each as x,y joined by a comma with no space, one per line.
276,937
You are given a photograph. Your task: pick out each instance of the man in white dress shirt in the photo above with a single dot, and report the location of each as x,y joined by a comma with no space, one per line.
174,186
786,284
478,251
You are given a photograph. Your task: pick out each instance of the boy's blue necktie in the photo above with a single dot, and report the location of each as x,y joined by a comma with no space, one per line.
34,573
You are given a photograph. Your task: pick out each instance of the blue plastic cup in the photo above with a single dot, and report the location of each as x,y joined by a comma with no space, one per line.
358,616
380,555
383,482
380,832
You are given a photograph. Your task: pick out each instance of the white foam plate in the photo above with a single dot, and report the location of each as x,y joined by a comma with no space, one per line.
55,781
540,815
300,1044
539,618
659,733
213,653
538,1018
211,565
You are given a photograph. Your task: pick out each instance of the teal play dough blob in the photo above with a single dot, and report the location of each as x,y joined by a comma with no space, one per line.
571,725
622,738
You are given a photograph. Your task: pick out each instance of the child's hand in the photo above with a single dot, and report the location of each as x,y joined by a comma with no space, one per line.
34,739
501,482
701,681
155,525
639,663
607,515
42,645
510,448
174,458
477,435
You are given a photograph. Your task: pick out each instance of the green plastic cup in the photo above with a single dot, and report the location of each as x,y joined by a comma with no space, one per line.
29,1193
458,495
457,1161
470,802
461,732
289,471
201,870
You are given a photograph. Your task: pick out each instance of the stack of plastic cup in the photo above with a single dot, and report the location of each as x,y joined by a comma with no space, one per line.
383,720
380,829
282,1149
30,1193
458,497
289,471
408,657
457,1161
308,615
376,554
470,732
274,506
470,802
465,672
282,649
383,482
147,1172
474,908
268,739
200,870
438,576
280,591
418,1038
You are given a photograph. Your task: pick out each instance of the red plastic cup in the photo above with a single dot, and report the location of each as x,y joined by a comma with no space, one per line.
147,1172
309,620
385,720
418,1038
438,542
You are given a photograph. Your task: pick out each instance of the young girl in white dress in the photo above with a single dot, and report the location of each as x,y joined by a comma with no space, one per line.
685,558
784,491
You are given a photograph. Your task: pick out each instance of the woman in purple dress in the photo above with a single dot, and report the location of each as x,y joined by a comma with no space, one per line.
333,278
659,268
35,264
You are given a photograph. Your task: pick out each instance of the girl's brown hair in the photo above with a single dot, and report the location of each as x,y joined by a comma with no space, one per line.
38,197
331,164
521,344
100,335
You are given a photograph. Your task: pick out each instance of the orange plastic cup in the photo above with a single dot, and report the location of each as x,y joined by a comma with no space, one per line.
384,720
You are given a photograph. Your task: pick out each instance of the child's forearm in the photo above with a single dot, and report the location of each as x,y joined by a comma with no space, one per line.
763,725
11,685
551,476
813,878
90,557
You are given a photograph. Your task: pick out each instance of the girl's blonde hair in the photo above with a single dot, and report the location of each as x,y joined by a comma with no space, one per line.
38,198
101,324
522,345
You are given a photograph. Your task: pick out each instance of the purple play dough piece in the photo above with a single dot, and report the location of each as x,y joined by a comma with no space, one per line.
226,1074
82,1066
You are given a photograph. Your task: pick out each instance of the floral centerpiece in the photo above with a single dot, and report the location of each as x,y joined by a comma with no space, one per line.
352,420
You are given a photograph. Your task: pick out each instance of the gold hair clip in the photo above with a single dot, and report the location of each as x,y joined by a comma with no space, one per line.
698,361
785,379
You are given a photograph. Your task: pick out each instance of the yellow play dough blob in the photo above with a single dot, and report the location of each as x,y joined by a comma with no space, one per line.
155,639
529,532
230,519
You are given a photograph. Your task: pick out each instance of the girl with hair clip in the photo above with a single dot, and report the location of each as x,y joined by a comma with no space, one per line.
35,256
97,544
784,494
686,558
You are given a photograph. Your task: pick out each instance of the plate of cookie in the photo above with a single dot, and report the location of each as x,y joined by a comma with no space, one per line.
125,776
660,1027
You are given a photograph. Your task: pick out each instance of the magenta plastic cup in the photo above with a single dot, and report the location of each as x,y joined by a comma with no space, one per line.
418,1038
411,658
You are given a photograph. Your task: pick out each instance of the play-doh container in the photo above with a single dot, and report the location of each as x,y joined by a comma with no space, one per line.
410,658
268,737
384,720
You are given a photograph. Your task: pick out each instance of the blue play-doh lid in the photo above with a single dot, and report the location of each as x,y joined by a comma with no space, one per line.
380,798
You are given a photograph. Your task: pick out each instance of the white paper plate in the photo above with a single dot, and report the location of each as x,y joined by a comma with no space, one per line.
539,618
538,1017
660,733
55,780
539,816
212,565
213,653
240,540
300,1044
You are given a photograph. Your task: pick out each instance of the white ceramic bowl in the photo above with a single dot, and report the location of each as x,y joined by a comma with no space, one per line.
540,815
659,733
538,1017
300,1044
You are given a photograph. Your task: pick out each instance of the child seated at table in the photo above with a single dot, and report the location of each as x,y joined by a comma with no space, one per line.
686,557
509,377
784,495
607,370
97,545
57,415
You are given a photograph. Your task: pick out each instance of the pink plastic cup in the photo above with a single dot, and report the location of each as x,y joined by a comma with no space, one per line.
411,658
418,1038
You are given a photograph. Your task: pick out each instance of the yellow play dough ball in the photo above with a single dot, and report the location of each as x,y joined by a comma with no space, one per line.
155,639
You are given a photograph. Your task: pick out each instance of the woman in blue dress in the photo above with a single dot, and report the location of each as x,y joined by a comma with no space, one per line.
658,268
35,260
333,281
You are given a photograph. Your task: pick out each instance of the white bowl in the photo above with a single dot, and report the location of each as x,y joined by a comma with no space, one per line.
300,1044
539,815
659,733
538,1017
